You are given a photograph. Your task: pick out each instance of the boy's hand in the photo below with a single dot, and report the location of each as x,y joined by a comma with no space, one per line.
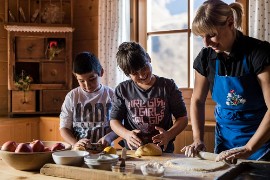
162,138
132,139
103,142
82,142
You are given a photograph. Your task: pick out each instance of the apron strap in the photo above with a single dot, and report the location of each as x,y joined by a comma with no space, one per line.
246,70
217,64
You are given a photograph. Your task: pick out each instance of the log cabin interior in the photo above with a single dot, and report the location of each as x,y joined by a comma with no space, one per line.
39,119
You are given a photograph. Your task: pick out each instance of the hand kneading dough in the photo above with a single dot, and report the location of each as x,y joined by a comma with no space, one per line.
149,150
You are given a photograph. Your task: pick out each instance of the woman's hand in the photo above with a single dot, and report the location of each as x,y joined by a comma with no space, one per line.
232,155
193,149
162,138
132,139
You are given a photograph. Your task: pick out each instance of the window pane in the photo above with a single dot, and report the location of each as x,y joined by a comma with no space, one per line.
169,57
166,15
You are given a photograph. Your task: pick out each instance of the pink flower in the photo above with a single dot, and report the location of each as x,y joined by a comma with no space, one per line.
53,44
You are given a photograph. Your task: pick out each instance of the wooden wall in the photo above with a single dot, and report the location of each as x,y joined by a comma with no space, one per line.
85,38
3,62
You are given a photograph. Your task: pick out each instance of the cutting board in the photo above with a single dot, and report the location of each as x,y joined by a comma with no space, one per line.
82,173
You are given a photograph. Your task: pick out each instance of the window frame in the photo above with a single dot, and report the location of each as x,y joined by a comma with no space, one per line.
139,26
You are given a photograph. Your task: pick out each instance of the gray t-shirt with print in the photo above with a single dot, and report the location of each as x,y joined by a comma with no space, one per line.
145,109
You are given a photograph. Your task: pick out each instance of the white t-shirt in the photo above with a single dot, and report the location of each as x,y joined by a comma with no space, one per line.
87,114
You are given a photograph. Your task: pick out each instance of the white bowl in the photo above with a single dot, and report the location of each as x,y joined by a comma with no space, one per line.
72,158
103,162
153,169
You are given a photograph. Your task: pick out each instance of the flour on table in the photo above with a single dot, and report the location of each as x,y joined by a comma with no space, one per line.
194,164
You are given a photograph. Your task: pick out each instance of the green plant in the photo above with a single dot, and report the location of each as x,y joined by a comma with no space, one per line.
23,81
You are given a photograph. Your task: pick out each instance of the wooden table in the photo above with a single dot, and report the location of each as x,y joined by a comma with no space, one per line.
7,172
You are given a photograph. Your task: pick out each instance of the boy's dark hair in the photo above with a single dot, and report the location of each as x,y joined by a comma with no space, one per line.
131,57
86,62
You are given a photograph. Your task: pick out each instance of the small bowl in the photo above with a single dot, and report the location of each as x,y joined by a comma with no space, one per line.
129,168
30,161
71,158
102,162
153,169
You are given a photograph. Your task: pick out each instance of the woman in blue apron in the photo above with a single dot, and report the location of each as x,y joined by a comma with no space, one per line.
235,68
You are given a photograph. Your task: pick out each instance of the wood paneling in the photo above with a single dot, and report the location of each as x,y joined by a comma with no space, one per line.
85,8
86,28
18,129
86,45
3,32
3,73
3,99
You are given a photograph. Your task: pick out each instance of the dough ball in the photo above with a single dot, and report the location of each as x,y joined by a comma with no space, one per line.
149,149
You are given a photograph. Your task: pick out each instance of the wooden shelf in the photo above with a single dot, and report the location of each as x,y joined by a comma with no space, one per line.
41,49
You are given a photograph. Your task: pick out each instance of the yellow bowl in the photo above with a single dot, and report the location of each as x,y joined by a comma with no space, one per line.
27,161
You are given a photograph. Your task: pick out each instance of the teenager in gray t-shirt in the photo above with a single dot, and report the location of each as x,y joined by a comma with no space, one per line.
143,106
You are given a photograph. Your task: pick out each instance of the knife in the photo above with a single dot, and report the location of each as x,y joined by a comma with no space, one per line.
207,155
123,159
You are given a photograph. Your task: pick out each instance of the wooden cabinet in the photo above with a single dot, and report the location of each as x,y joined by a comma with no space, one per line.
19,130
39,54
49,129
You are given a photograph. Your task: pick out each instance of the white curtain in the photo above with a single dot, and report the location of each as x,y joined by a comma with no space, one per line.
113,30
259,19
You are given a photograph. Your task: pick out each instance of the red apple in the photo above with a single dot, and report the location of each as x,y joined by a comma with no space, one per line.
46,149
57,146
9,146
23,147
37,146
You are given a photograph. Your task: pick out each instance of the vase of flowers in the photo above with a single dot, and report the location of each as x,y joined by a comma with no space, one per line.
22,82
53,49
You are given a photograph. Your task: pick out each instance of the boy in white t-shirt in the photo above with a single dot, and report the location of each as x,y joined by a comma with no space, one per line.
85,112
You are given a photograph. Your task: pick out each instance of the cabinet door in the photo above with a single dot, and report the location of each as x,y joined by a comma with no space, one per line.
49,129
25,131
6,132
30,48
52,100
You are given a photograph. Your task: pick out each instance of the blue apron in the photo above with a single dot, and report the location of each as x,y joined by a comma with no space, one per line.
240,109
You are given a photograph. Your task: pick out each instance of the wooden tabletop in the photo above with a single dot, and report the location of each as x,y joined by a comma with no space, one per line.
7,172
10,173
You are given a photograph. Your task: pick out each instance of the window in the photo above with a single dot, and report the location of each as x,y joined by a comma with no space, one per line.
163,28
